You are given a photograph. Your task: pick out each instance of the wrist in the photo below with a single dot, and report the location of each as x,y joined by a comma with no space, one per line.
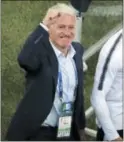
44,26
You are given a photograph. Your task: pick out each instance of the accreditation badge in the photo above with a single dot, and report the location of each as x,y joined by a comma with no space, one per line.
65,121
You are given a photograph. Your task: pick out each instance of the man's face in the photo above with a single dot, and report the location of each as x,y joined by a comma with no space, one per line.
62,32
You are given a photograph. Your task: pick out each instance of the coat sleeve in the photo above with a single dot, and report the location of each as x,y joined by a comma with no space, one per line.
28,57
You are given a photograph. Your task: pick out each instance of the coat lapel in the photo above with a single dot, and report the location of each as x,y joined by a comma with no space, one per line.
76,59
52,60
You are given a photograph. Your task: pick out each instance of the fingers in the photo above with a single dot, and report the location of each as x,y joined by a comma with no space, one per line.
51,18
55,16
118,139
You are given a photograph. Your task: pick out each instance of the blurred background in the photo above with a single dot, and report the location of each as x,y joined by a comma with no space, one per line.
19,19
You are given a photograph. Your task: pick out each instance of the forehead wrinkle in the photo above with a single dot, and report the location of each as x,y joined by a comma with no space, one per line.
62,20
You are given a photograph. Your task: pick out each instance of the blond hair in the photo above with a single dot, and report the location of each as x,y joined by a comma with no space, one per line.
62,8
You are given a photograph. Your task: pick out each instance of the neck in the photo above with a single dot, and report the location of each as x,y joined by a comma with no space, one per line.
64,50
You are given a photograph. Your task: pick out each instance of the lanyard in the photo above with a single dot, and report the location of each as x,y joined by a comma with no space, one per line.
60,83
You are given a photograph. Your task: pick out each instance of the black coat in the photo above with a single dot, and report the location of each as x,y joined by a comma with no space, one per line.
39,60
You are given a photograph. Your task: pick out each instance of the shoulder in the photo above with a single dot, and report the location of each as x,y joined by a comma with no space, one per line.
109,44
78,47
108,53
38,34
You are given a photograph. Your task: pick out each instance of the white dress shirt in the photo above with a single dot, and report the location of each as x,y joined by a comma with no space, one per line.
107,102
69,80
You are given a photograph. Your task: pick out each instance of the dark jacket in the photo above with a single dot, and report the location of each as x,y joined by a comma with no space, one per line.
39,60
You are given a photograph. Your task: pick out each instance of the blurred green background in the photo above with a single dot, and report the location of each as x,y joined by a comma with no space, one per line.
19,18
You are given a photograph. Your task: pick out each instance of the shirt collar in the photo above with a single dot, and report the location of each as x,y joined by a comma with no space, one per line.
56,50
71,50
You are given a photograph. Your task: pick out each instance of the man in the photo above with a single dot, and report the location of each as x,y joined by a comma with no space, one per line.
54,89
107,90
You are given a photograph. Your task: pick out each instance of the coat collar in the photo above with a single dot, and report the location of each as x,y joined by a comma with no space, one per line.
52,59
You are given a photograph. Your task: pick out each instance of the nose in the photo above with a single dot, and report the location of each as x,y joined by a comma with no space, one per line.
67,32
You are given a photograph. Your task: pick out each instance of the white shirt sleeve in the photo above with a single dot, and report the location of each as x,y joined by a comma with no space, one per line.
45,27
98,97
